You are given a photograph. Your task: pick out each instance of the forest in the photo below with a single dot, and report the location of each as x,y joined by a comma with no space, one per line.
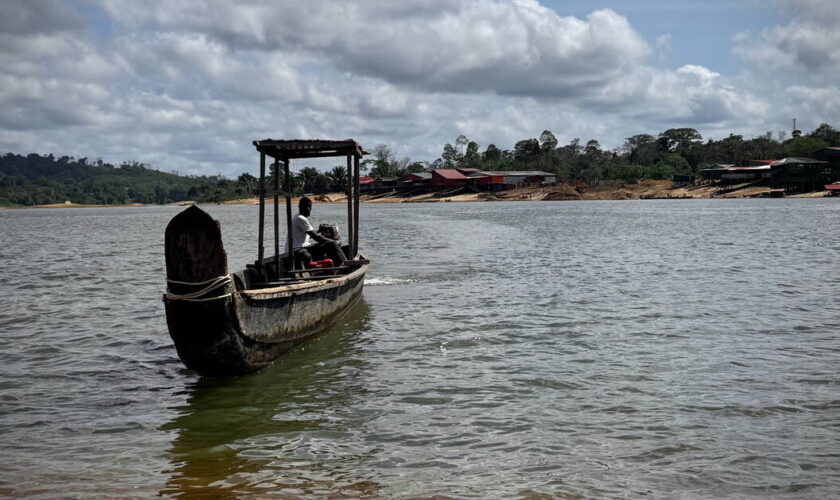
44,179
675,151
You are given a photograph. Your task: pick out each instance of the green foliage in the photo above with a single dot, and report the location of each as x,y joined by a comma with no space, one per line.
674,151
338,178
827,134
804,145
35,179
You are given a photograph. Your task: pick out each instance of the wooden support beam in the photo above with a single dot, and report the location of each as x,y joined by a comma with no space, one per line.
289,214
356,209
260,251
277,215
351,188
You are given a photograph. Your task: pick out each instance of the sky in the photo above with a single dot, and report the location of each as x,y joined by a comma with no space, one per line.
186,86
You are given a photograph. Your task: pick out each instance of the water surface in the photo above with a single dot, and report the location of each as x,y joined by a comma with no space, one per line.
635,349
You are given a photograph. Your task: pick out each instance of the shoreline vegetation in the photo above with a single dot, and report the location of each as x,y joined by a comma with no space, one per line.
639,190
642,167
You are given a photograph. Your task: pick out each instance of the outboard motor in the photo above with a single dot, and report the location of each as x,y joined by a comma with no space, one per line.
329,231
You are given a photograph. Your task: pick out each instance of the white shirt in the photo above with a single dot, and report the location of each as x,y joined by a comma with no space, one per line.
300,228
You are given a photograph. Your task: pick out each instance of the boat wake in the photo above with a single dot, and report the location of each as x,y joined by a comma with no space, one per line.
386,280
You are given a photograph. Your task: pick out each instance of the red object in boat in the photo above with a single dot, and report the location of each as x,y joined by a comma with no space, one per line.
317,264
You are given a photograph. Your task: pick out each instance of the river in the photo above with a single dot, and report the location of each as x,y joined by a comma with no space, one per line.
632,349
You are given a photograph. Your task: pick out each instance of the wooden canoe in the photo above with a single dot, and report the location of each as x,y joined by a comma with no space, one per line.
233,324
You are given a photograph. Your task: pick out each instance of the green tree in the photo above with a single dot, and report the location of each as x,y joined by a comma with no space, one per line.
678,139
449,158
547,141
827,134
416,167
338,176
383,162
642,149
803,146
527,151
308,178
472,158
492,155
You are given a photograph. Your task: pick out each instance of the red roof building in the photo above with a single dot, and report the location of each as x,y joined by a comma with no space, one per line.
365,184
445,177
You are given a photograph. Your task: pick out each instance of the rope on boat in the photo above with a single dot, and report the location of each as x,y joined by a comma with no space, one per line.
199,296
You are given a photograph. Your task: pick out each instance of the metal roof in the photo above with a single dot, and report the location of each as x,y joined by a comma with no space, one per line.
733,168
421,175
797,161
449,173
308,148
516,173
719,166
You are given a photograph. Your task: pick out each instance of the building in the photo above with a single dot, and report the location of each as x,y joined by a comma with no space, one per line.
679,181
414,182
800,175
506,179
832,156
727,173
365,184
447,178
383,185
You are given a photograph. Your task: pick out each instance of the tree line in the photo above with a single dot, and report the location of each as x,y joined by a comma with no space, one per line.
676,151
43,179
46,179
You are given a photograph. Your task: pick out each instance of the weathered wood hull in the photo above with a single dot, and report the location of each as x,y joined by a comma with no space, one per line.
223,327
246,331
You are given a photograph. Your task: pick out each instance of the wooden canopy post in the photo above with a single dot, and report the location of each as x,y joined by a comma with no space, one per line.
289,214
277,216
351,188
356,208
260,250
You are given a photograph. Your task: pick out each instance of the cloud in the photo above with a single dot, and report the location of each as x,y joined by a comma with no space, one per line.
797,64
809,42
32,17
506,48
188,85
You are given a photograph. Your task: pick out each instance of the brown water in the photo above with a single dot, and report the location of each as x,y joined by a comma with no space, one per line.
650,349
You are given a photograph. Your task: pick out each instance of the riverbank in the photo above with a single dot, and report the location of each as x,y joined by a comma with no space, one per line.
608,190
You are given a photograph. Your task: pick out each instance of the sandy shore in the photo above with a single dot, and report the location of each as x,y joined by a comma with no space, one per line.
641,190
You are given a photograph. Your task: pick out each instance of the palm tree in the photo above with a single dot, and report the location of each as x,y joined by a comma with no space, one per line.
308,177
338,176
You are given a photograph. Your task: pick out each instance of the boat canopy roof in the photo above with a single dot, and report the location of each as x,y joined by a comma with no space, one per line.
308,148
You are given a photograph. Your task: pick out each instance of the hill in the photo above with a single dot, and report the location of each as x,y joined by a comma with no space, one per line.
34,180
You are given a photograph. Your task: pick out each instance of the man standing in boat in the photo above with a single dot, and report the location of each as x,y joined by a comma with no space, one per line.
306,240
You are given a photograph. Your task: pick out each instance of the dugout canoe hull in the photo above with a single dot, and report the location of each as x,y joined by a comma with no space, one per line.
228,327
248,330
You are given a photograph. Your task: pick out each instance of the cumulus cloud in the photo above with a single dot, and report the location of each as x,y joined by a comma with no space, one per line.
810,42
796,64
188,84
507,48
29,17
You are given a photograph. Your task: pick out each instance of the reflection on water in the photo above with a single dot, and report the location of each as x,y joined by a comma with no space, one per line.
261,434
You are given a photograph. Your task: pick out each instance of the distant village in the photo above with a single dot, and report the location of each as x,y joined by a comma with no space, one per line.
819,173
446,181
784,176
